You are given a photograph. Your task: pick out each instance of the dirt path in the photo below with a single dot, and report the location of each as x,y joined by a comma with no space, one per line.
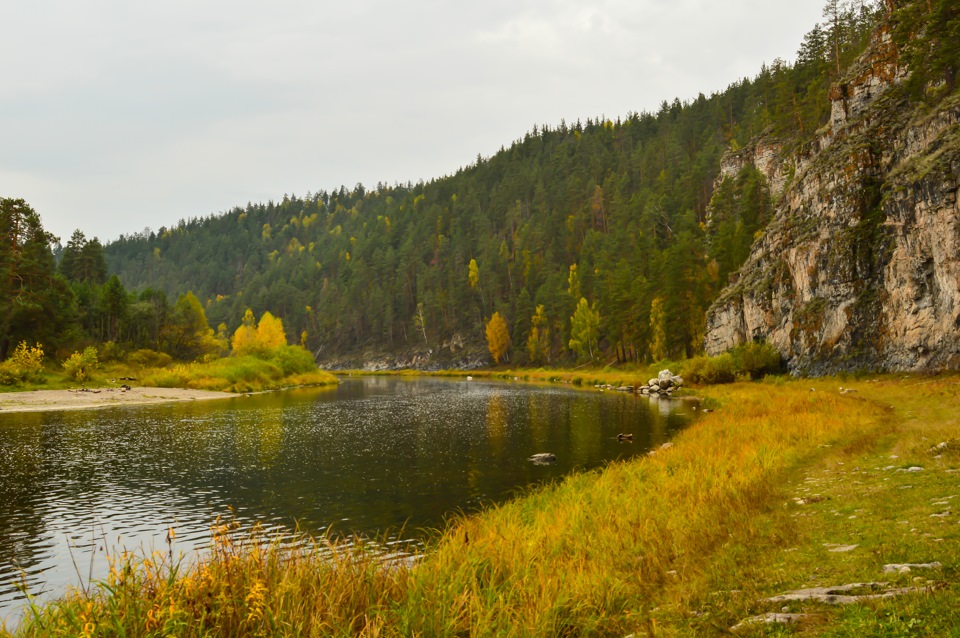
47,400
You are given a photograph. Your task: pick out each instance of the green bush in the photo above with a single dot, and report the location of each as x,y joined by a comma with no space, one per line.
145,358
757,359
291,359
24,365
110,351
80,366
711,370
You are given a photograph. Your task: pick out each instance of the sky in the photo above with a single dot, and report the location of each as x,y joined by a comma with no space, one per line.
121,115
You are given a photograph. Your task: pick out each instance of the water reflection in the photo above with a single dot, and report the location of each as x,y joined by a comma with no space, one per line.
373,455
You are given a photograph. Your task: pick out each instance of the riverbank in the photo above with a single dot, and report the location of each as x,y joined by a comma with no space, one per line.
786,485
80,399
119,383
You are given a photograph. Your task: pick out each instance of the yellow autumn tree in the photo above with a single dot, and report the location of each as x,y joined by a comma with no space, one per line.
245,338
498,337
270,332
538,343
254,338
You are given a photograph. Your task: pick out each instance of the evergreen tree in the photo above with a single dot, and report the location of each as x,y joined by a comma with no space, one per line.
113,305
35,305
928,32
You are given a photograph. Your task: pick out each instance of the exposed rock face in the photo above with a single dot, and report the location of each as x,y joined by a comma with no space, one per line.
860,266
765,154
455,354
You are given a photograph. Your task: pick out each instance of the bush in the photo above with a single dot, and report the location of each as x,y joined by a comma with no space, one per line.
80,366
25,364
110,351
757,359
292,359
711,370
145,358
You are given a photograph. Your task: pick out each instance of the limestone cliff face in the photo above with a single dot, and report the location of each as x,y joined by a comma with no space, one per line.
860,266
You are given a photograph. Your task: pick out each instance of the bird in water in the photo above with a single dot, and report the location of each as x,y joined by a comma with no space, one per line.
624,437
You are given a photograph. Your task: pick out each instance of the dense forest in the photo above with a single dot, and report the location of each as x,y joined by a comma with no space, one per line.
608,237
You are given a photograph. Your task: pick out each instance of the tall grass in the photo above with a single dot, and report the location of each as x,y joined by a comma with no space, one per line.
282,366
586,556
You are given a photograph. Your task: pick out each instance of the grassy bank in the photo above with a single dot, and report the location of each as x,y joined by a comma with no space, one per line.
749,361
285,367
281,367
586,377
747,504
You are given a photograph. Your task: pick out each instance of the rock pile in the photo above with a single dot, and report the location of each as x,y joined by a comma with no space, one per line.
664,384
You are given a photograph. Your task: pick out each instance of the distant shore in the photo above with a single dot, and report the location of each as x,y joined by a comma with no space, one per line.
49,400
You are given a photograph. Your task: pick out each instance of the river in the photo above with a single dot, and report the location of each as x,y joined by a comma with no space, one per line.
382,457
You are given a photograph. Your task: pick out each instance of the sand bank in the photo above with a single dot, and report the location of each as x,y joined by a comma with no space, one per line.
44,400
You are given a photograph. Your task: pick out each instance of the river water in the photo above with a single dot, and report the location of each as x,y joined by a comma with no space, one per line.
383,457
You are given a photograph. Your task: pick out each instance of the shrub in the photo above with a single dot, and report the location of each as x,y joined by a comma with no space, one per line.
149,359
110,351
292,359
711,370
80,366
25,364
757,359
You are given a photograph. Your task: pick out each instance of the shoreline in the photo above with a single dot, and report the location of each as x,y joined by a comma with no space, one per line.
87,399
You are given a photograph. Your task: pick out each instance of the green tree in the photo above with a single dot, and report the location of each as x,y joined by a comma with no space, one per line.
187,335
473,276
35,305
420,321
584,330
538,342
83,260
113,305
658,330
928,32
573,282
70,266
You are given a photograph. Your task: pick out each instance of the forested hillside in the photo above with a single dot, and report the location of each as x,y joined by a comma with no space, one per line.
621,213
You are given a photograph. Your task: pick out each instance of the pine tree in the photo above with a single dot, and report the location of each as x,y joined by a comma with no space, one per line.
928,32
35,305
113,305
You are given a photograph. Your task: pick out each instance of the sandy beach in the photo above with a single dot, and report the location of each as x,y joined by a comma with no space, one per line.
45,400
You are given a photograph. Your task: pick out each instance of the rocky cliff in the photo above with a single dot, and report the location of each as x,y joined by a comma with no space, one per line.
860,265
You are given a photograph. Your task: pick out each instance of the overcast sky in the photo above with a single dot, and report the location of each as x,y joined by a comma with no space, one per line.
117,115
